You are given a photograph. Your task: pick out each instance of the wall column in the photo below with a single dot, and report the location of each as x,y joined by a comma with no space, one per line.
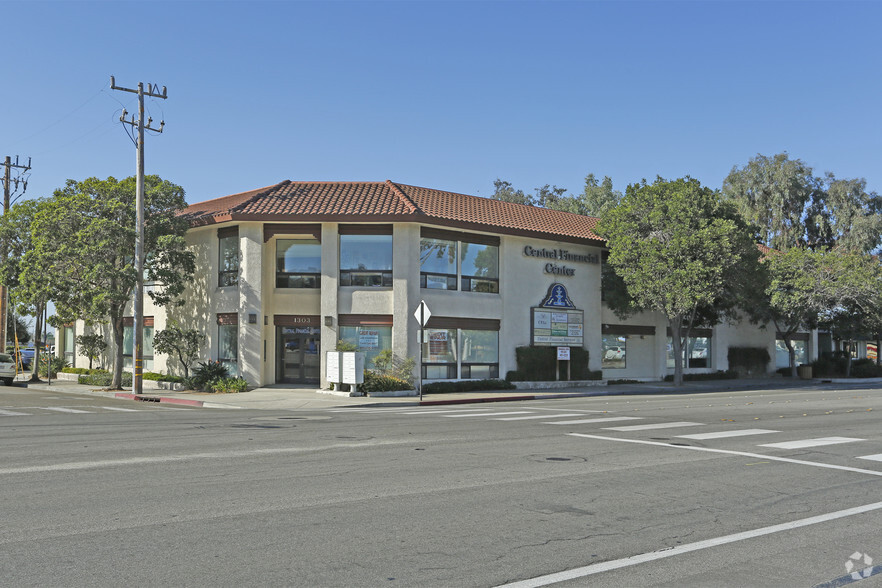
250,303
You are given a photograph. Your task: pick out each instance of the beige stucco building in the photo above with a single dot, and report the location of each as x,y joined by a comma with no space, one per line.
287,271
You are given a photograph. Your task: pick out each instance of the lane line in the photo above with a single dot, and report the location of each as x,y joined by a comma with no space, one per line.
724,434
117,408
442,411
474,414
655,426
600,420
730,452
537,416
633,560
804,443
13,413
62,409
876,457
138,461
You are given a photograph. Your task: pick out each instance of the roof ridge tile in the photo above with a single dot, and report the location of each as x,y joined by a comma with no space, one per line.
408,203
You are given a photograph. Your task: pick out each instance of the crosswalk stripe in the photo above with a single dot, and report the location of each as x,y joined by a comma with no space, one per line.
820,441
598,420
537,416
655,426
13,413
723,434
876,457
454,416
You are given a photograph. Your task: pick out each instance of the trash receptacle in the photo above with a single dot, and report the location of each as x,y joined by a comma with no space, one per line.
804,372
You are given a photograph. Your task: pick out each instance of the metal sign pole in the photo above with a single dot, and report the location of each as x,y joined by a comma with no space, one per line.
420,343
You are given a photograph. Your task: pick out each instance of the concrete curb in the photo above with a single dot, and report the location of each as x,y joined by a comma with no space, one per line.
160,399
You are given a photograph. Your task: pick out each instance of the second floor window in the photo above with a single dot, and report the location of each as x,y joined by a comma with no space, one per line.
298,263
228,256
366,260
438,264
480,267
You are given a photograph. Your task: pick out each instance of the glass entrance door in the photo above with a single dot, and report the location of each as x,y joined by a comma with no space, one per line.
298,355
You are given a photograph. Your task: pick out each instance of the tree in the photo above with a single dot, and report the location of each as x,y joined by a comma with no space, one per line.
506,192
183,344
598,198
675,245
846,217
18,328
89,230
775,194
91,346
830,288
27,268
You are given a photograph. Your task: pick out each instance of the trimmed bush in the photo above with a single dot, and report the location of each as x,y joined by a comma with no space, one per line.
228,385
104,379
466,386
374,382
749,360
162,377
718,375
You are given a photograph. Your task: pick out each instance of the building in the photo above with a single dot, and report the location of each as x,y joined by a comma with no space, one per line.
287,271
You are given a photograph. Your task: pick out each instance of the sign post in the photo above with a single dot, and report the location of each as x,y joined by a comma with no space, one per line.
422,315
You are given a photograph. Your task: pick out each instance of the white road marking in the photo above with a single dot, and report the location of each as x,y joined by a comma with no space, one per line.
118,408
616,564
877,457
820,441
724,434
441,411
137,461
730,452
598,420
457,416
537,416
63,409
13,413
655,426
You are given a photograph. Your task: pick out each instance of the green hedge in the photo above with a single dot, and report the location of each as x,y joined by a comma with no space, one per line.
104,379
749,360
70,370
466,386
539,364
718,375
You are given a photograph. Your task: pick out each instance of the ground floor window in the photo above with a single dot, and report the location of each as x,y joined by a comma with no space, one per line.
480,354
69,347
228,342
614,352
696,353
129,345
782,355
474,353
439,354
371,339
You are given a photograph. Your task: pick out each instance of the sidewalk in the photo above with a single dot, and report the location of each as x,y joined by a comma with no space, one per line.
279,397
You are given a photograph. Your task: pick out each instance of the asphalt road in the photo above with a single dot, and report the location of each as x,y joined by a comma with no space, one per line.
105,492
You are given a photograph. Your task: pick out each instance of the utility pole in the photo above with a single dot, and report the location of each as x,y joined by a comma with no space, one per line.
9,193
152,91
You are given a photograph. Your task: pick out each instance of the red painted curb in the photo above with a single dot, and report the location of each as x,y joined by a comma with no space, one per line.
163,399
475,400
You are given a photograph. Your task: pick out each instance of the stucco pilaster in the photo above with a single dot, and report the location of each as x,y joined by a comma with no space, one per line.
250,302
329,288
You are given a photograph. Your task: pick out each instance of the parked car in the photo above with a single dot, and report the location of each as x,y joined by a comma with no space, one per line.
7,368
27,358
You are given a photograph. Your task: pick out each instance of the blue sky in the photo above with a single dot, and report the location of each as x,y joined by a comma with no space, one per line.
449,95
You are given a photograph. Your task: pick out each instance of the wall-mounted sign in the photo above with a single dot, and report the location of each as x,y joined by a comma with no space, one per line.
561,255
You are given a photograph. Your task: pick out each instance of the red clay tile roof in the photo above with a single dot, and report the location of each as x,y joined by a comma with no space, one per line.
390,202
